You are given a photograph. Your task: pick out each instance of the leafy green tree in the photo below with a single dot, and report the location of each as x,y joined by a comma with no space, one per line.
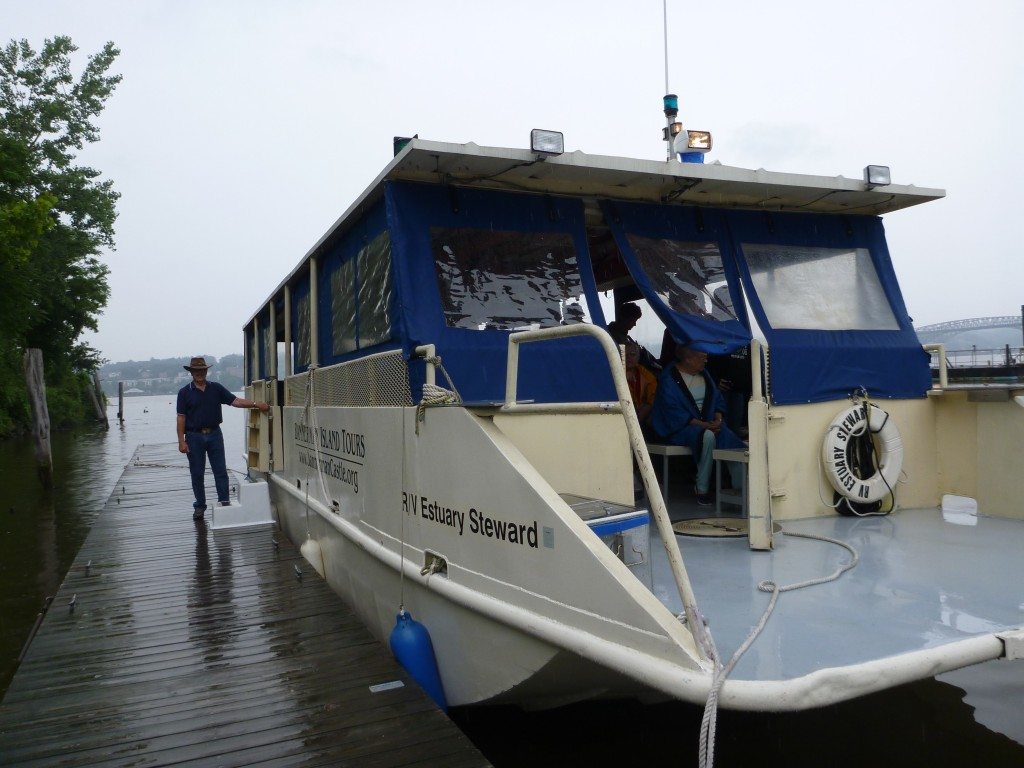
55,216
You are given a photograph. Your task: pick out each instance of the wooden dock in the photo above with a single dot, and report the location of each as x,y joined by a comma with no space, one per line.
188,646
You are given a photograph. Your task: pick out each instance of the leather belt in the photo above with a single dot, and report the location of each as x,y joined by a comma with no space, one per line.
204,430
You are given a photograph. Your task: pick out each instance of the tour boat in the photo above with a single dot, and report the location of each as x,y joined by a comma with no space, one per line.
451,433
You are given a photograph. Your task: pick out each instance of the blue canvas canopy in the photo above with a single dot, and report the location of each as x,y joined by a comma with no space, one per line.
712,324
821,287
867,339
472,266
462,268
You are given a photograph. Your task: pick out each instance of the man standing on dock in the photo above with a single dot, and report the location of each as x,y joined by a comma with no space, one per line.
199,435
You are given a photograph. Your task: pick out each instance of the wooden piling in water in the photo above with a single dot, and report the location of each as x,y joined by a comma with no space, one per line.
36,385
120,402
98,400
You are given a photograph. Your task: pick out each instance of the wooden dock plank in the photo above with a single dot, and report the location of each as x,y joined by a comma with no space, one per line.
188,646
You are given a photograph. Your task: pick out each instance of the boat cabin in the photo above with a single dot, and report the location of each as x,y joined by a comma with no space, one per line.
457,247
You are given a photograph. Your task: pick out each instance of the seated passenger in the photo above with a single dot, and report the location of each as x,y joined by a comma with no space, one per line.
642,385
668,349
689,410
732,375
626,317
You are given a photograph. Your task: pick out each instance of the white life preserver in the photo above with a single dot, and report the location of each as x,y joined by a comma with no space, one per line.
848,424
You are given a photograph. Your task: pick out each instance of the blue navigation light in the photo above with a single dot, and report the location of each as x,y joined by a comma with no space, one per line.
671,102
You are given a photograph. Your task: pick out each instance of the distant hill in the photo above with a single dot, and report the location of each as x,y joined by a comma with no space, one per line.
166,376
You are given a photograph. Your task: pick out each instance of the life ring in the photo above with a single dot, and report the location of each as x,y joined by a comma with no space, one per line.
844,427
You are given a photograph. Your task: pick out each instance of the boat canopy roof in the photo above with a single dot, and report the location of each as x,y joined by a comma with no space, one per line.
579,174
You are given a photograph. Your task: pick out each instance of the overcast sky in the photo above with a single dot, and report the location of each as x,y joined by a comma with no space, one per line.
242,130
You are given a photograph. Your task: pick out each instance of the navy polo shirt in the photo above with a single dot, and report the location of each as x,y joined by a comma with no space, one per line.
201,408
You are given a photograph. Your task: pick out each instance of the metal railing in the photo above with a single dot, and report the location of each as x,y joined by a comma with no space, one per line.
940,351
637,443
1005,356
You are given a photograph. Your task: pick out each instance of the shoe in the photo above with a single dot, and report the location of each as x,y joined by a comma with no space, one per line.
225,503
703,499
198,513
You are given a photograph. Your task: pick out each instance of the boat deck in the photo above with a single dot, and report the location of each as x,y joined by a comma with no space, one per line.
199,647
923,580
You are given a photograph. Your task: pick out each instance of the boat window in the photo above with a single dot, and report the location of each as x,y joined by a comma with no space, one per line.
302,321
819,288
266,346
361,298
254,359
343,308
687,276
375,291
507,280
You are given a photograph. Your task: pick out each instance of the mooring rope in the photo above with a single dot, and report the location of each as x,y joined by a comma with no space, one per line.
434,395
706,756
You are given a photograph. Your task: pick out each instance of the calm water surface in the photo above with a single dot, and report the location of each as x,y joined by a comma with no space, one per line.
970,717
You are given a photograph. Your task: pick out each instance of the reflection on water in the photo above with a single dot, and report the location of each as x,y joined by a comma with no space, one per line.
972,716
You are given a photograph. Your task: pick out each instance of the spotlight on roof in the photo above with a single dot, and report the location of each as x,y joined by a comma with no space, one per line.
698,141
876,176
691,145
546,143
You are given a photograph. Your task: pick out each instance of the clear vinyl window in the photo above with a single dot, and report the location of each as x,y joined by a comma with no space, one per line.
688,277
254,365
374,268
361,298
343,308
831,289
507,280
302,348
266,344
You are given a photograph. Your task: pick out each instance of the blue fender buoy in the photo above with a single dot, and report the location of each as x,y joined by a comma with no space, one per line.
410,643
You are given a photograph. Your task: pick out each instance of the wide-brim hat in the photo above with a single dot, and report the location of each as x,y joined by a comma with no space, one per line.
197,364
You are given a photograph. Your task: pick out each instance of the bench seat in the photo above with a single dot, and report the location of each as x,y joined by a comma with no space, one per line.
666,452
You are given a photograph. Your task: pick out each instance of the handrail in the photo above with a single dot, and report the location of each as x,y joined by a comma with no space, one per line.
694,618
941,349
428,352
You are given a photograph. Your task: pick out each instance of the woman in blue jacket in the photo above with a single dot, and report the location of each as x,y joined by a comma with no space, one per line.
689,410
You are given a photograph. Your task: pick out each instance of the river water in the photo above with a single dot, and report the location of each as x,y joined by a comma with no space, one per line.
973,716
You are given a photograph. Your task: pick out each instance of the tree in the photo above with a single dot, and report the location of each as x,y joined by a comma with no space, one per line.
55,216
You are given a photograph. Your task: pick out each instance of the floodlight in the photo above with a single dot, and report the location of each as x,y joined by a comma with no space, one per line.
877,176
698,141
546,143
689,141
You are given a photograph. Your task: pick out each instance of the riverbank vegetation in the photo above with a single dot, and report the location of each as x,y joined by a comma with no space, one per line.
56,217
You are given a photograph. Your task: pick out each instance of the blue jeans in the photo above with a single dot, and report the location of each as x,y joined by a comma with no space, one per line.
199,446
705,461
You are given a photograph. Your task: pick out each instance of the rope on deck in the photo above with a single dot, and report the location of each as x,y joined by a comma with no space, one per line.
706,756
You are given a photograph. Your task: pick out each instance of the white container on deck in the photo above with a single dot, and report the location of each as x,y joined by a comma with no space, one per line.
251,508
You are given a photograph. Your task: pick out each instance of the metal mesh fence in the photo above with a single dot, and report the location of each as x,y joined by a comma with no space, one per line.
374,381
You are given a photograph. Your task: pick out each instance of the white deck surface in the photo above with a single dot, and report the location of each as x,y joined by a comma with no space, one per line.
922,581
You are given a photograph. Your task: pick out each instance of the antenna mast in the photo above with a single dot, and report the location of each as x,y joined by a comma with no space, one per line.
664,7
671,101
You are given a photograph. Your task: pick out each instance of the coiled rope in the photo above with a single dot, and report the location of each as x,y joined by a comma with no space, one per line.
706,755
434,395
